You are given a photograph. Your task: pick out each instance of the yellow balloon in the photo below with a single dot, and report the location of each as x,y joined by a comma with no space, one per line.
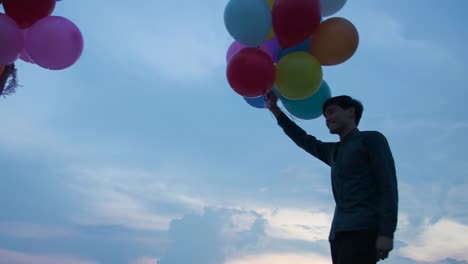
270,3
271,35
298,75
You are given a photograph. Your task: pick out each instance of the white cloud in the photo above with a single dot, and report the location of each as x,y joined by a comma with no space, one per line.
128,198
145,260
280,258
456,201
297,224
114,208
13,257
213,235
439,241
33,231
241,221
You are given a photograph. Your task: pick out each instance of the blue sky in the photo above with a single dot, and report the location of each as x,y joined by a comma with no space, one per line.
141,153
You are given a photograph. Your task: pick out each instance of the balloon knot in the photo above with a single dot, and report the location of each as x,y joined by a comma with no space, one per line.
8,80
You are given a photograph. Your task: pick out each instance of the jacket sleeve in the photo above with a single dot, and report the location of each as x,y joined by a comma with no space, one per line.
383,167
321,150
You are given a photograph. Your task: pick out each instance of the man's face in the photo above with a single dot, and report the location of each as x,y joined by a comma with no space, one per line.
338,119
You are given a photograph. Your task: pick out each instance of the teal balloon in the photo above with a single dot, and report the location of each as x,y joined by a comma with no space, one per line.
248,21
311,107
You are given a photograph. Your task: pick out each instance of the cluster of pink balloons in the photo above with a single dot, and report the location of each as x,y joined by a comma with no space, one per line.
29,31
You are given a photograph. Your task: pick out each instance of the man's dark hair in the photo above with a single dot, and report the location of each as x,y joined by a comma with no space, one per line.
345,102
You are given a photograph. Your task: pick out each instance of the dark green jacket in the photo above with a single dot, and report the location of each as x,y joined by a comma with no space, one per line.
363,178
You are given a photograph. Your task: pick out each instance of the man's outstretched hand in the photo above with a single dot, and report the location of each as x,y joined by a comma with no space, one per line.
271,102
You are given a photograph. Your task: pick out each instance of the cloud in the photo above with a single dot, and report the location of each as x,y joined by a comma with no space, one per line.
280,258
132,198
107,201
232,236
439,241
13,257
33,231
298,224
211,237
456,201
146,260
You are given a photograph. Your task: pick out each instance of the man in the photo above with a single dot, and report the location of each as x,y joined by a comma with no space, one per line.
363,180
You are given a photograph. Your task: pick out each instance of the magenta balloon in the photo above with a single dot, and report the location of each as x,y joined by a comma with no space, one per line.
233,49
54,43
11,40
268,46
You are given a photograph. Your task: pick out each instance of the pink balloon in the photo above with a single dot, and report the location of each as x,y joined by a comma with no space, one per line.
54,43
237,46
11,40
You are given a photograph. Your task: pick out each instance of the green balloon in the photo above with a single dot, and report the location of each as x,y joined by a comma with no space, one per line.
311,107
298,75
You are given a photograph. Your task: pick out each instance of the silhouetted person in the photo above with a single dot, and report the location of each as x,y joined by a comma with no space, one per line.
363,179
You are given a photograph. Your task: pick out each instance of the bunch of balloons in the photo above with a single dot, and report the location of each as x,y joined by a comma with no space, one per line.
29,31
282,45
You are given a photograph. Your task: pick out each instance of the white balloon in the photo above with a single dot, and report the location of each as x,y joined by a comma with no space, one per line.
330,7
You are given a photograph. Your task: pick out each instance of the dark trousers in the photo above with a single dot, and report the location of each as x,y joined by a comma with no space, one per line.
354,247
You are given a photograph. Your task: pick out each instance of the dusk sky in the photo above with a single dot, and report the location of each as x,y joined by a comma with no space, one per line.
141,152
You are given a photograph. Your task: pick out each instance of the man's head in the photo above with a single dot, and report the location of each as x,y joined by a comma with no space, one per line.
342,113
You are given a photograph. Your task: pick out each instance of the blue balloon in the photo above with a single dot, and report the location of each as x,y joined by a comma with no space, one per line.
303,46
248,21
257,102
311,107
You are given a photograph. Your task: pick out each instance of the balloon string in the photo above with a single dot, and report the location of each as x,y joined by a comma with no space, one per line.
267,102
8,80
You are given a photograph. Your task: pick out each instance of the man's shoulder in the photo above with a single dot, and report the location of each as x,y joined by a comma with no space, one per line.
373,135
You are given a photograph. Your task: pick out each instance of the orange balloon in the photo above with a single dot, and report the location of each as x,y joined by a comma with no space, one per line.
335,41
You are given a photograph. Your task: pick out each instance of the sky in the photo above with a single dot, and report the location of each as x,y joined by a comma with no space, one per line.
141,153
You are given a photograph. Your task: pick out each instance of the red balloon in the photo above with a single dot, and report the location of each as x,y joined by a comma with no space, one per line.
295,20
28,12
251,72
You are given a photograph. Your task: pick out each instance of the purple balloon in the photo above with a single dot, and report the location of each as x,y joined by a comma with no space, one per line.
24,54
54,43
25,57
273,47
11,40
269,46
